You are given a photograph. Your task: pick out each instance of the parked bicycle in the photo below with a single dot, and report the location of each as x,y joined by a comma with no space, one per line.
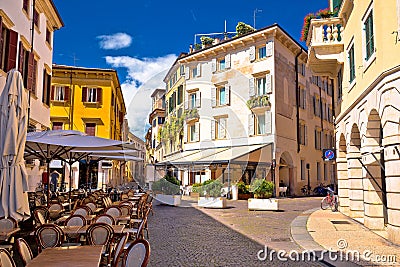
331,200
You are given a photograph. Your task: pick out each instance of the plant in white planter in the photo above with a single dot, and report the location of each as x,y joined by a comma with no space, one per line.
210,195
167,191
262,190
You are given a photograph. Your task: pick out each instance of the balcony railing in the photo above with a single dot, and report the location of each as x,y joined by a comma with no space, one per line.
325,46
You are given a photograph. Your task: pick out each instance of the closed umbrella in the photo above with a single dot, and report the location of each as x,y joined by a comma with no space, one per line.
13,128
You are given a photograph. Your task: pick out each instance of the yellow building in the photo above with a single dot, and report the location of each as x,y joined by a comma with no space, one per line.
88,100
359,47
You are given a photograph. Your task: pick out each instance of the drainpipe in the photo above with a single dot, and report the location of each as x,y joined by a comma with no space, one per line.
296,59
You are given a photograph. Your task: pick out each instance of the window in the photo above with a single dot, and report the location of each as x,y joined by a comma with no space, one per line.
301,68
154,122
302,169
260,123
194,72
302,98
221,96
180,95
25,6
221,64
317,139
261,85
318,171
91,95
48,36
262,52
220,128
59,93
161,120
369,36
90,129
36,18
317,106
46,88
57,125
352,68
193,132
192,101
8,48
303,133
28,68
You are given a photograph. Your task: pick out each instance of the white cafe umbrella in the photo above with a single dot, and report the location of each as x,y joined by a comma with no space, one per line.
13,127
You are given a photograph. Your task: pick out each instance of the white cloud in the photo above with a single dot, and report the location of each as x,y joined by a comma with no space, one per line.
115,41
144,75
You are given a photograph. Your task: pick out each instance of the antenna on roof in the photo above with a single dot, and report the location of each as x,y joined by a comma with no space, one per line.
255,15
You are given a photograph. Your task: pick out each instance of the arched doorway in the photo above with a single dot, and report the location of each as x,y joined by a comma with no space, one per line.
286,172
355,174
343,180
374,174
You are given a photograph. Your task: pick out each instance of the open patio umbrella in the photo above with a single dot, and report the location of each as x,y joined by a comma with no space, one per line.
13,128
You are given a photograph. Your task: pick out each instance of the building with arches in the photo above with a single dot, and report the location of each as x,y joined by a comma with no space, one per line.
359,49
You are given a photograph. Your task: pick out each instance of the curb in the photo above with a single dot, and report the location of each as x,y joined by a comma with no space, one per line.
300,235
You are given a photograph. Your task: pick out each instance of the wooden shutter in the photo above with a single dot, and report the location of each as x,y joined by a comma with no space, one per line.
212,129
198,70
251,124
268,84
268,122
84,94
1,41
31,71
222,127
228,61
252,92
197,131
270,48
21,59
227,94
99,94
214,65
185,132
66,93
12,50
198,99
121,117
252,53
187,73
213,97
52,92
35,63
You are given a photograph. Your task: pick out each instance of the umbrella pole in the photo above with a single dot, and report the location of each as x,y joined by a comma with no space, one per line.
48,182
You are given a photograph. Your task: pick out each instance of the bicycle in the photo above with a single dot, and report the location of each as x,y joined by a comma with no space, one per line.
331,200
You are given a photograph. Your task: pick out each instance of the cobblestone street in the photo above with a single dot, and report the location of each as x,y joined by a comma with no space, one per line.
187,236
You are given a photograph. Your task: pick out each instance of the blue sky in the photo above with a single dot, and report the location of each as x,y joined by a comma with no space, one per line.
142,38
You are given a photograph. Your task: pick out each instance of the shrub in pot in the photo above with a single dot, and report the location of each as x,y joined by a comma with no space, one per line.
243,190
262,188
167,185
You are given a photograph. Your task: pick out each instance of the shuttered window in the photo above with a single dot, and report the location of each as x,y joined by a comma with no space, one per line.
221,64
25,6
90,129
46,88
36,18
369,36
61,93
262,52
91,95
352,68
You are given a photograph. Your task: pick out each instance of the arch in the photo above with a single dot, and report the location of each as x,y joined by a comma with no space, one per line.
355,174
374,176
342,175
286,172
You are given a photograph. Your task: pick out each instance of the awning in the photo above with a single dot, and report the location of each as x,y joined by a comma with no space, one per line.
259,153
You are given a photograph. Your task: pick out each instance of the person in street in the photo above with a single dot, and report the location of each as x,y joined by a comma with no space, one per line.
54,180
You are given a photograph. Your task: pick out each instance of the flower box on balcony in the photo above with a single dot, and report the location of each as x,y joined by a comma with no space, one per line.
191,114
258,102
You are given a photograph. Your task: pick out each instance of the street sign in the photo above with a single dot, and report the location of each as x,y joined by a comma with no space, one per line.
328,154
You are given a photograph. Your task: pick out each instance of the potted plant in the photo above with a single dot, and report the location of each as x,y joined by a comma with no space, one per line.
243,28
263,191
243,191
306,26
167,191
196,188
206,41
210,195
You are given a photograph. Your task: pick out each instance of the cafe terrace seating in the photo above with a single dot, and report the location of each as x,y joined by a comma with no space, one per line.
24,251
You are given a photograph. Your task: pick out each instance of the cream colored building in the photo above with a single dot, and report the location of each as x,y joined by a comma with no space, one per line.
360,49
240,115
26,43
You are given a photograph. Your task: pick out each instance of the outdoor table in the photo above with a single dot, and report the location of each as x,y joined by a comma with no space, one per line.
118,229
122,218
69,230
74,256
5,234
88,218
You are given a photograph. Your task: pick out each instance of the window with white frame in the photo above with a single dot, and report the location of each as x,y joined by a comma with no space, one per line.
192,100
260,124
262,52
92,95
194,72
221,64
261,85
220,128
221,96
59,93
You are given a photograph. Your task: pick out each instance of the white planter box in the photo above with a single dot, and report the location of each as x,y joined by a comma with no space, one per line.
262,204
212,202
172,200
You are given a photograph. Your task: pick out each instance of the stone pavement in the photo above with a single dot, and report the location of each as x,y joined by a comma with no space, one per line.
351,241
191,236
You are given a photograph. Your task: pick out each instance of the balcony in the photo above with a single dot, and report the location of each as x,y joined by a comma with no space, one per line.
191,114
261,101
325,46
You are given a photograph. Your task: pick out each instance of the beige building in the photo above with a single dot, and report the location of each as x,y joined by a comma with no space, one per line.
26,43
359,48
249,102
136,168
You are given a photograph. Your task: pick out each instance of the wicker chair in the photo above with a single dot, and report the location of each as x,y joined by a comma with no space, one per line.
99,234
24,250
55,211
113,211
92,207
5,258
41,215
137,254
75,220
83,211
105,218
119,249
49,235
